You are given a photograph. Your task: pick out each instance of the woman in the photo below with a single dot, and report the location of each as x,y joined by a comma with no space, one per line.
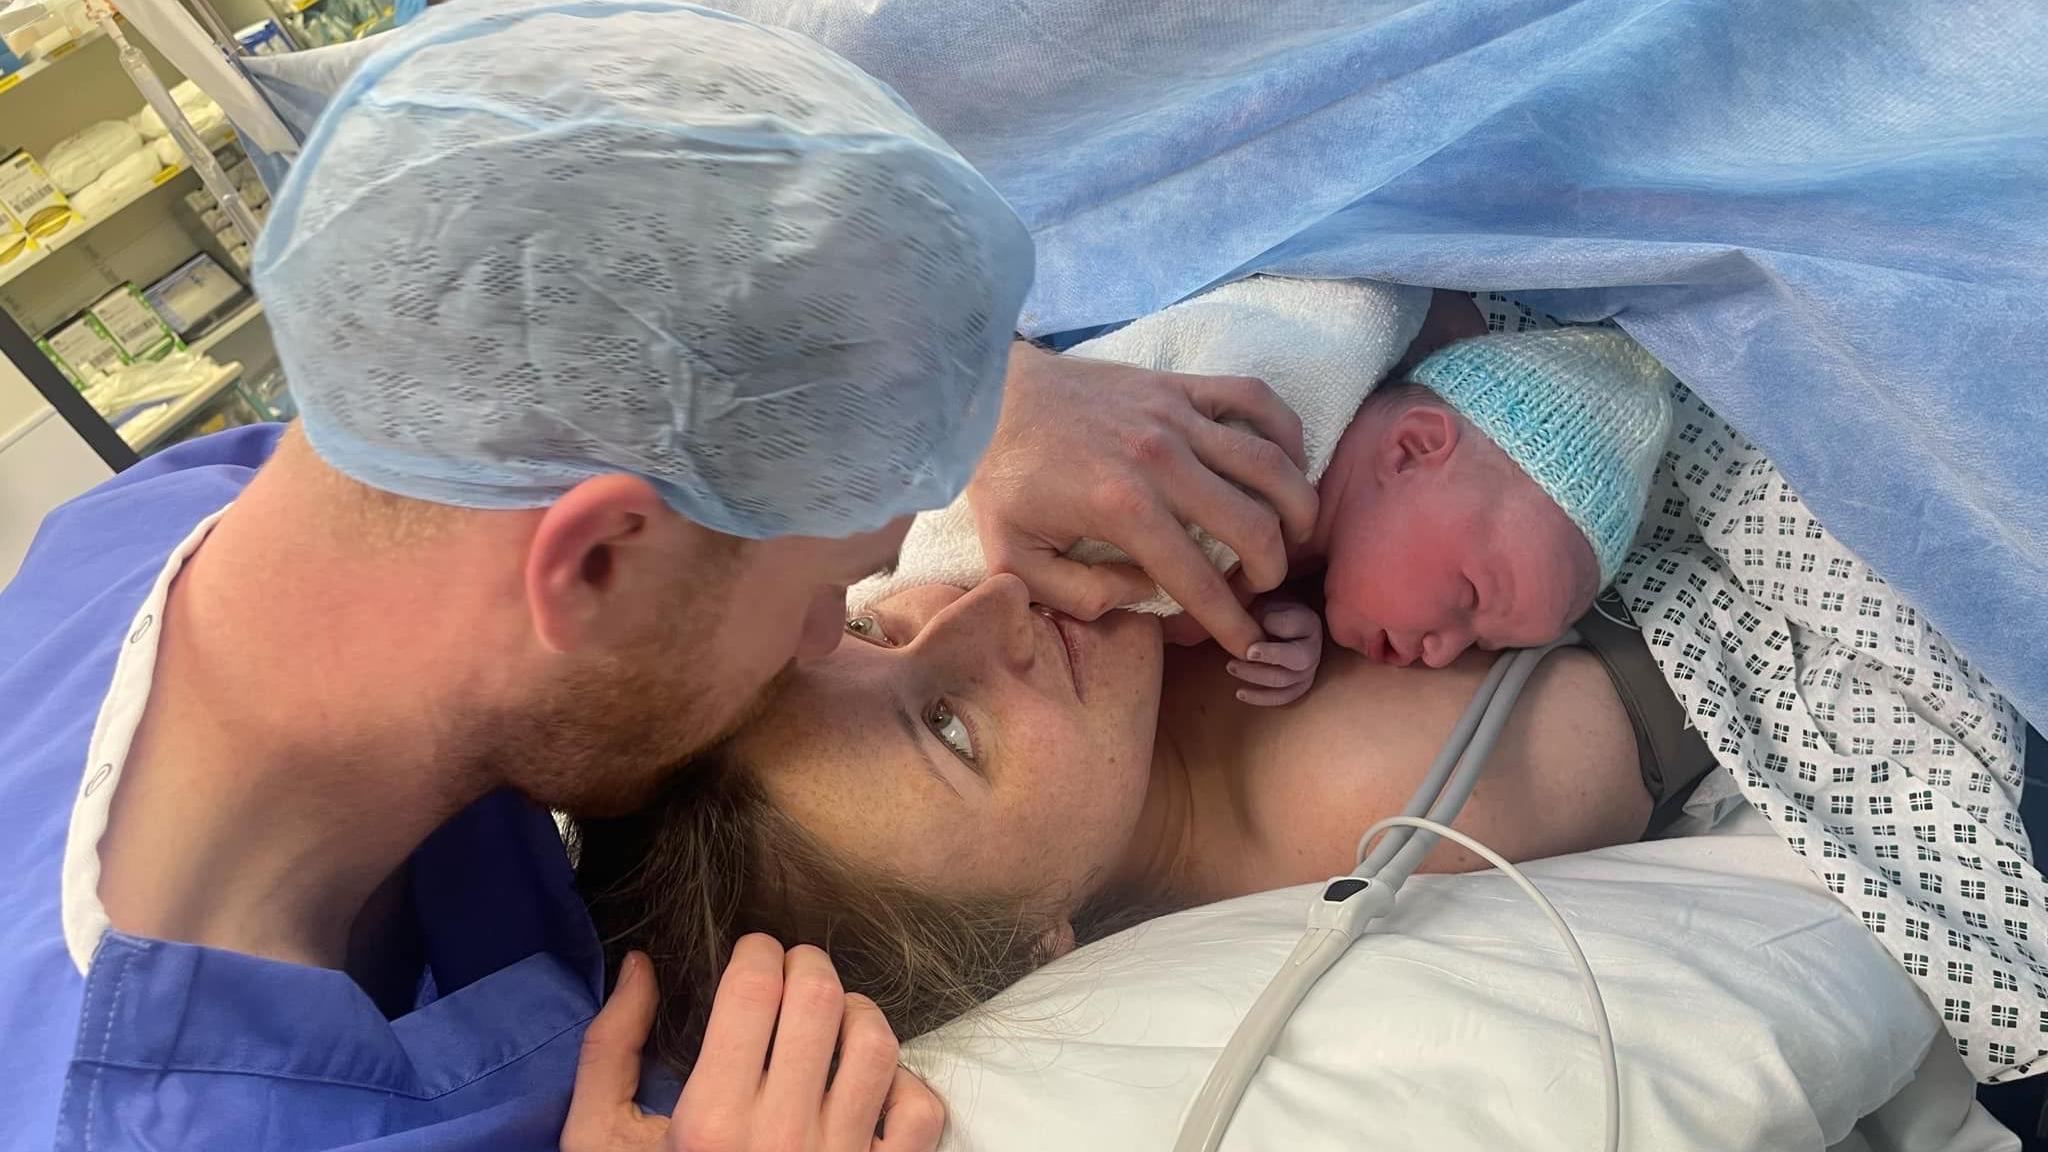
978,783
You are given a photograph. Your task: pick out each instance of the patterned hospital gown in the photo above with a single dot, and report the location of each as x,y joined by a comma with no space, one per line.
1872,746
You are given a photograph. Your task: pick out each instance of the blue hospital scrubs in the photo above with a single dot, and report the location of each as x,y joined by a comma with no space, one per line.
172,1046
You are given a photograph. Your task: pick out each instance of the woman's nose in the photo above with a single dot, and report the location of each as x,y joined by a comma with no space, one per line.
994,619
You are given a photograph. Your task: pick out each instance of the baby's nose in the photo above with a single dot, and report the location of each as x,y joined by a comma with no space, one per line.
1441,649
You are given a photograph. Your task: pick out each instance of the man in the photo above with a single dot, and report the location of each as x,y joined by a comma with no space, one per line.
626,335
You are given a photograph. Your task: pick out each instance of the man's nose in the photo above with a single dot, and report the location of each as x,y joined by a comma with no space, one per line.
995,619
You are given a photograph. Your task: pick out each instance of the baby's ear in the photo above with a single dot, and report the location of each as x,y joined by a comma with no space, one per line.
1422,436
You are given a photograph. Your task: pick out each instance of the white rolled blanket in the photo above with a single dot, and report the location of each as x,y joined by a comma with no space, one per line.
1321,345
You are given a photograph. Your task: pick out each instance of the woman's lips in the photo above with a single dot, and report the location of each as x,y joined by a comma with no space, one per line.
1069,644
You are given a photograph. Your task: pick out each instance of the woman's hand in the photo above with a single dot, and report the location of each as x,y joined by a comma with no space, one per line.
1281,667
1087,449
765,1079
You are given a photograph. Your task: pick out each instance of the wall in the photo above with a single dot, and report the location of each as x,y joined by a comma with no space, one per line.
42,464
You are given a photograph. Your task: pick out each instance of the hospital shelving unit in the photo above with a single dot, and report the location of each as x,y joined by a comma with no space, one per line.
136,240
27,72
301,23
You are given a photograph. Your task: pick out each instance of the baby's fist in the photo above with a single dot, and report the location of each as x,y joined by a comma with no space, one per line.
1283,663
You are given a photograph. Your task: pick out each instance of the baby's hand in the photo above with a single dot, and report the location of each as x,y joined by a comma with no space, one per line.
1283,664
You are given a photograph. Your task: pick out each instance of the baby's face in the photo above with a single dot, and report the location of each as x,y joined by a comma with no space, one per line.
1443,560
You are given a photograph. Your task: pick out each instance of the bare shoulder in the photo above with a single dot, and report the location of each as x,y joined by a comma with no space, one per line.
1313,775
1565,776
1304,780
1570,709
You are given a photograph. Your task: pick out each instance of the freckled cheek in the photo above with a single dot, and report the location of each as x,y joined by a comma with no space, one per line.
1078,805
1038,764
1067,842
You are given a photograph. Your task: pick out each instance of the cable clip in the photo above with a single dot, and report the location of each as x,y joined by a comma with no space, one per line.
1349,903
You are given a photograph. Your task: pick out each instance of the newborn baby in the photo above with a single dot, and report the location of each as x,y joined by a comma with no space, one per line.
1483,500
1483,497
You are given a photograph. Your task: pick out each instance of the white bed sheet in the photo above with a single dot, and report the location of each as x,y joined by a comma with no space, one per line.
1459,1023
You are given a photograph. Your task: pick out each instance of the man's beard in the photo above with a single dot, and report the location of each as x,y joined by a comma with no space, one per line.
605,743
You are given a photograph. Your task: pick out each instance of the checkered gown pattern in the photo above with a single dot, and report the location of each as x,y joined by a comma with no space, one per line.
1872,746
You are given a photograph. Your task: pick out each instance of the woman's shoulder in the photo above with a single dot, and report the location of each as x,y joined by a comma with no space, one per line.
1309,777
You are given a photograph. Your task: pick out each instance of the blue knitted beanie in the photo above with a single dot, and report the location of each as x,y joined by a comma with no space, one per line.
1583,411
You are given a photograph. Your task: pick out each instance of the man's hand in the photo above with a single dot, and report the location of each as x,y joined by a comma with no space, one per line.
1092,450
1282,666
765,1080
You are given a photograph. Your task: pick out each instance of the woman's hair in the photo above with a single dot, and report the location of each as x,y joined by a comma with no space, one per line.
713,859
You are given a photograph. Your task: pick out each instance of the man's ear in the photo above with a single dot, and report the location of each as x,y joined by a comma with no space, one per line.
1422,436
588,557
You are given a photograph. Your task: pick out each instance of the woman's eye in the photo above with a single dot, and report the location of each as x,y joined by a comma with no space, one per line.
867,628
949,728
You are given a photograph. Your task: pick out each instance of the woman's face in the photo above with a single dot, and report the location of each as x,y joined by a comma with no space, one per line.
970,741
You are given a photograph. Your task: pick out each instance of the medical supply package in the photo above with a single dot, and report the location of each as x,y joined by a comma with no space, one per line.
194,294
81,350
31,198
134,327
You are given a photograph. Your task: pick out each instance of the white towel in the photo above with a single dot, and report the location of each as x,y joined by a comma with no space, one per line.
79,159
1321,345
123,180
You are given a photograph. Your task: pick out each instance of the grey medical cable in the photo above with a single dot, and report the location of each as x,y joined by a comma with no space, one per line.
1348,904
1447,758
1452,799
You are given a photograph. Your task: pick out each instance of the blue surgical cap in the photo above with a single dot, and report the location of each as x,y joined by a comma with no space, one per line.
530,243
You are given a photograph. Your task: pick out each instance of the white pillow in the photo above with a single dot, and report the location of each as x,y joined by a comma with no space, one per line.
1750,1008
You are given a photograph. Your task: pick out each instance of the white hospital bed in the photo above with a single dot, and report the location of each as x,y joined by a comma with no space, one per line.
1751,1010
